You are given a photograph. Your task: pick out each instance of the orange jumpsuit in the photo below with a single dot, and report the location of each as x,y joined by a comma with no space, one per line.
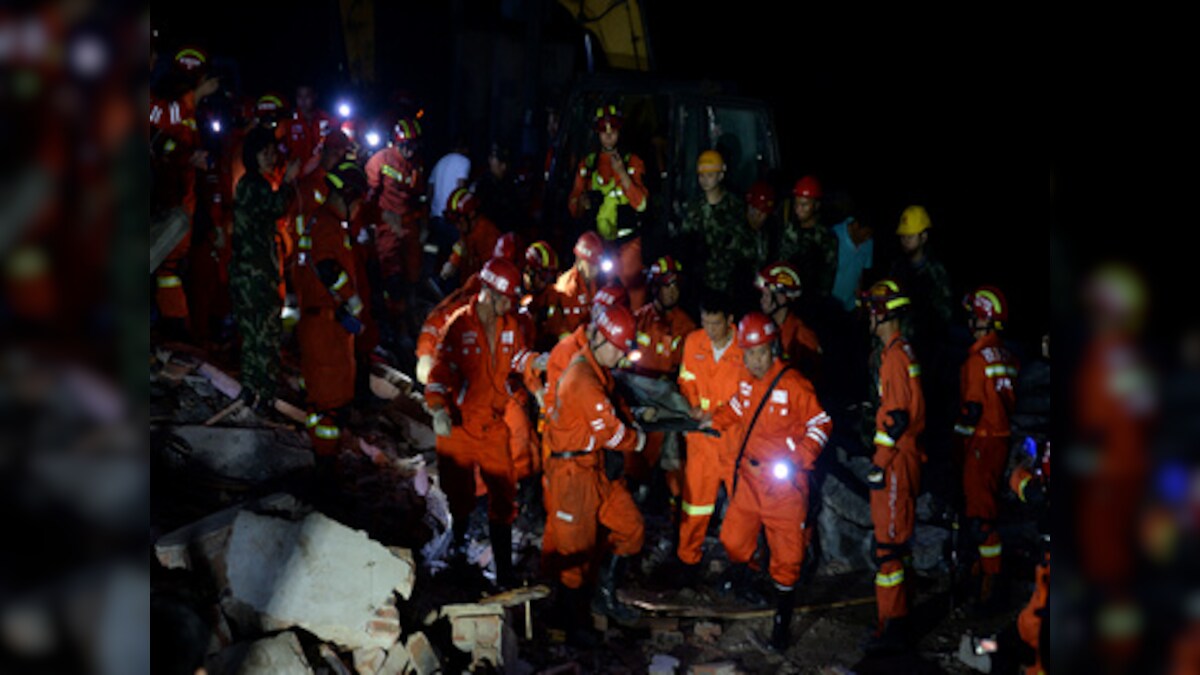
791,431
660,344
475,247
570,303
325,271
304,134
1029,621
397,183
1115,405
579,497
435,323
800,346
470,380
988,397
893,508
174,186
708,383
595,173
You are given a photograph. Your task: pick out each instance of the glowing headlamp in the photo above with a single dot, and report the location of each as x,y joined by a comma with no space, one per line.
344,109
782,470
373,139
216,126
606,265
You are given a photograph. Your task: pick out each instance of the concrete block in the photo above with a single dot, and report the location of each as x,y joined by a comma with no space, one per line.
398,661
279,655
369,660
207,538
319,575
481,631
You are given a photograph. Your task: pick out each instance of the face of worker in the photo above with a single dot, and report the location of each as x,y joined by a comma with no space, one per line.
588,270
755,218
267,157
668,295
805,208
407,149
607,354
859,232
534,281
501,304
709,180
769,301
498,167
911,243
758,360
305,98
717,326
609,138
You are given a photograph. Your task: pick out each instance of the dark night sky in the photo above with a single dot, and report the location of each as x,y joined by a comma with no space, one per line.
940,110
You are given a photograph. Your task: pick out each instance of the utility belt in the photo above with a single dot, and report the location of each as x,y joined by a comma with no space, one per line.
569,454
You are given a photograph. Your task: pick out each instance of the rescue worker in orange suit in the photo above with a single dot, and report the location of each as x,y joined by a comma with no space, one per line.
478,235
609,193
780,429
539,274
397,180
468,393
895,475
330,307
708,378
661,328
307,127
987,400
588,509
779,284
439,317
176,156
1031,485
573,292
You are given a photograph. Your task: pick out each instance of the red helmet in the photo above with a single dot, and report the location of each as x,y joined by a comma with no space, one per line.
780,277
406,129
589,247
541,258
989,304
508,246
610,295
270,105
616,325
191,60
807,187
756,329
608,116
884,299
761,196
462,202
502,276
665,270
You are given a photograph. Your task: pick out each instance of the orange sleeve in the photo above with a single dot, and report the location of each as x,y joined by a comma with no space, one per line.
610,431
444,377
817,423
636,192
895,395
688,386
576,191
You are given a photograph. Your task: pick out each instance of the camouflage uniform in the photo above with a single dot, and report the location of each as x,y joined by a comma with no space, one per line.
814,252
254,280
727,239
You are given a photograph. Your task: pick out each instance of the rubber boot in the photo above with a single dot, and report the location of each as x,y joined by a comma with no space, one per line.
605,599
739,580
889,638
781,630
690,576
501,537
576,619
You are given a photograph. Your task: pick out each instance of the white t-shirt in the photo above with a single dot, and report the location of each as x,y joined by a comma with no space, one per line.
444,180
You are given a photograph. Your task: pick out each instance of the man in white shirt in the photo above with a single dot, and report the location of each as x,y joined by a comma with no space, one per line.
449,174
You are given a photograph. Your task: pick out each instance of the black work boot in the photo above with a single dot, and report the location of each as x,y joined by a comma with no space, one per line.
890,638
605,599
576,619
739,580
501,536
456,556
781,630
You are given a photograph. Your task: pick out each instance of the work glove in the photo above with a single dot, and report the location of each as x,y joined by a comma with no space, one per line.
875,478
539,363
441,422
614,464
641,441
424,366
899,424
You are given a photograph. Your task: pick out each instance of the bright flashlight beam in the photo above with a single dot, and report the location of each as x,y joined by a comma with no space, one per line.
781,470
216,126
372,138
344,109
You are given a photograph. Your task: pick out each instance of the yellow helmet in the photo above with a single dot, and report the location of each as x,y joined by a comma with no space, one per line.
914,220
710,161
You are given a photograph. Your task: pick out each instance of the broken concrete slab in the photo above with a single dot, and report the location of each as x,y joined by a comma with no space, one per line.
845,547
281,654
425,659
849,504
254,455
398,661
206,539
482,632
319,575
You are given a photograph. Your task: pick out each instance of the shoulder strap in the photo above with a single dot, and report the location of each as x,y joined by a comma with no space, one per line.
737,465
